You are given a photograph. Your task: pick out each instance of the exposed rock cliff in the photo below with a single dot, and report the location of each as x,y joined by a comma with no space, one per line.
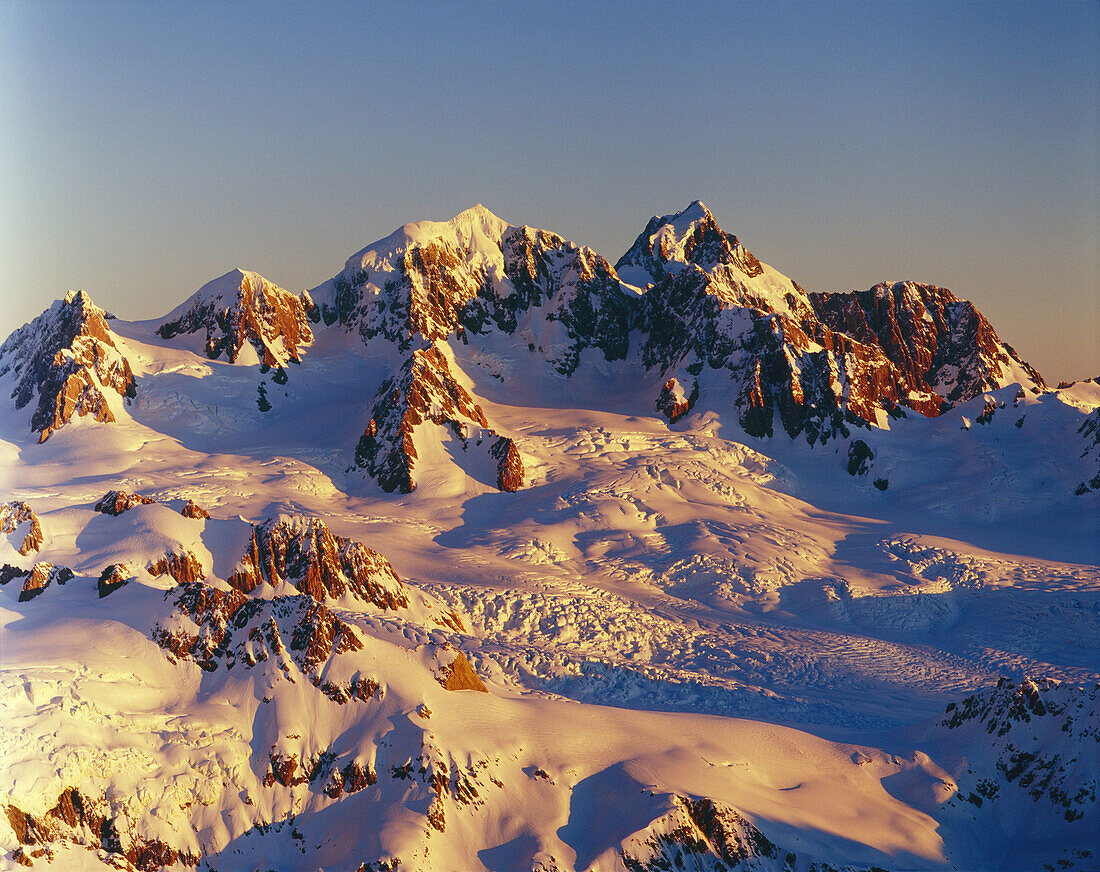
184,568
69,358
295,634
304,553
942,346
424,392
36,579
18,521
113,577
116,502
243,308
819,362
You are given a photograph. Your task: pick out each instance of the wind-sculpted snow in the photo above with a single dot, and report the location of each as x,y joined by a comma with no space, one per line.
68,356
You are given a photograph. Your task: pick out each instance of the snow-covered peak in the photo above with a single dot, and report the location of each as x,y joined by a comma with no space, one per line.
692,241
677,227
243,307
68,357
236,286
475,233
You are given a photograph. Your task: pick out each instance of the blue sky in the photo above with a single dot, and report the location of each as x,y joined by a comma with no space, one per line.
146,148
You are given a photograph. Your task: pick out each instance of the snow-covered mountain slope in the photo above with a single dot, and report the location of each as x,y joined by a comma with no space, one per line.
521,569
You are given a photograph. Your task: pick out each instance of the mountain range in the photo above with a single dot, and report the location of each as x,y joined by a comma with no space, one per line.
488,554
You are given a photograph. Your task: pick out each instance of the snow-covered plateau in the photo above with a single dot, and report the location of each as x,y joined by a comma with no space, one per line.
487,554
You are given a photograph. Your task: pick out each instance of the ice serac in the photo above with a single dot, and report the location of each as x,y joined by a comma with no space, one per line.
943,346
423,394
69,358
243,308
306,554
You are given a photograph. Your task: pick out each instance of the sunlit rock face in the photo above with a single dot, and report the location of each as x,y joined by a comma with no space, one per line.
114,502
304,553
242,309
19,522
70,360
943,347
810,364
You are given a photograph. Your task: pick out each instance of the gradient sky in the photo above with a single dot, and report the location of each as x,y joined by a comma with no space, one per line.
146,148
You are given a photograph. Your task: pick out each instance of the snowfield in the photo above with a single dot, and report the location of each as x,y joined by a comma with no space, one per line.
700,649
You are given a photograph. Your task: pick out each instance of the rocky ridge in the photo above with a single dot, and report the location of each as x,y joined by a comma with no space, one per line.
1031,758
71,360
114,502
36,579
688,301
304,553
13,516
243,308
424,392
710,305
942,345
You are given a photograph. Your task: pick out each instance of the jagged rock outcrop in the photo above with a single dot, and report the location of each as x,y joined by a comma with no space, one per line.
296,634
460,675
194,510
82,820
13,516
860,457
1090,432
510,472
113,577
424,391
674,402
69,358
817,362
701,834
116,502
578,295
942,345
305,554
36,579
184,568
242,308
